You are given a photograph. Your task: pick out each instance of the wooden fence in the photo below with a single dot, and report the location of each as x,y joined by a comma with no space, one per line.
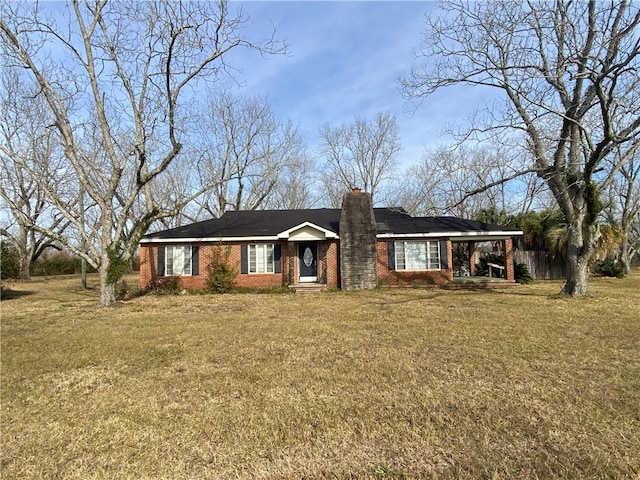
542,265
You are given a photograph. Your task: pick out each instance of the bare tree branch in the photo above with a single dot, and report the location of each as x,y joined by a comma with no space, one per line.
132,69
360,154
569,74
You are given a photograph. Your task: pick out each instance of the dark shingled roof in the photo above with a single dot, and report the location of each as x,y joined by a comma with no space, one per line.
269,223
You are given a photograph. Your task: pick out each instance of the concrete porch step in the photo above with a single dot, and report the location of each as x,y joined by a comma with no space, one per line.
307,287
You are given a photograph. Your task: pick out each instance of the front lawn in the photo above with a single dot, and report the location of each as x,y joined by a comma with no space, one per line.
404,383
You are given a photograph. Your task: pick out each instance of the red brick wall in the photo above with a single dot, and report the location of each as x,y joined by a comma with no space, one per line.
333,267
289,262
328,267
396,277
508,259
148,268
328,271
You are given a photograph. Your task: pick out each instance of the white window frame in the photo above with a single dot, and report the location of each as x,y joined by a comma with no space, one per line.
261,258
426,255
182,253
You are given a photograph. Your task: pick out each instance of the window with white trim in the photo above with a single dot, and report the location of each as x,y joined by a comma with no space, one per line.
178,260
261,258
417,255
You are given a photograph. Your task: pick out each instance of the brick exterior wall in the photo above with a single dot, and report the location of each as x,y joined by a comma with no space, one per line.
399,277
508,260
327,266
149,267
332,254
327,263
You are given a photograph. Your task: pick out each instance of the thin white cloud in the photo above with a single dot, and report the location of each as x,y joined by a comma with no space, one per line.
345,60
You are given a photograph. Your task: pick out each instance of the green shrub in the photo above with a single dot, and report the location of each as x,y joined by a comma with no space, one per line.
522,273
610,268
164,285
220,274
9,261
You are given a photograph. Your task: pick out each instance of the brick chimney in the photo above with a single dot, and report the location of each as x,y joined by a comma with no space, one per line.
357,242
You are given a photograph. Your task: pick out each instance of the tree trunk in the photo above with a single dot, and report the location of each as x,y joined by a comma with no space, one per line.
577,284
107,290
83,273
578,254
624,256
25,264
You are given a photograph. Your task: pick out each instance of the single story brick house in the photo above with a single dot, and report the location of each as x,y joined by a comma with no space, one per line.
354,247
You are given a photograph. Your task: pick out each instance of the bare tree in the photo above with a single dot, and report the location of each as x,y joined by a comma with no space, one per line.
623,207
131,69
361,154
454,180
568,72
175,190
296,187
244,150
27,139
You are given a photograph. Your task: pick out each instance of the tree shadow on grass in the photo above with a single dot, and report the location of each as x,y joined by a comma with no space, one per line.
9,294
513,291
409,295
401,296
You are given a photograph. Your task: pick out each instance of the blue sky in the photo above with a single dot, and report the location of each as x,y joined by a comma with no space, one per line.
345,61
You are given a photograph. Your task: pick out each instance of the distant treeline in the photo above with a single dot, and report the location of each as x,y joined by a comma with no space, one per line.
51,263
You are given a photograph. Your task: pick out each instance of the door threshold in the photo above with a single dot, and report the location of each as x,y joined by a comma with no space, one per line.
308,280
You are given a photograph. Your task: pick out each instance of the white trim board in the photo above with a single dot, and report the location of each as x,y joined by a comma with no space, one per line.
459,236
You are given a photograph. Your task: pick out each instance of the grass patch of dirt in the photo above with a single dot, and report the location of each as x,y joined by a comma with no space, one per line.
402,383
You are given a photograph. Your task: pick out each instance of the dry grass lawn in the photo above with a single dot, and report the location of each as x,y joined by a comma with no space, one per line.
403,383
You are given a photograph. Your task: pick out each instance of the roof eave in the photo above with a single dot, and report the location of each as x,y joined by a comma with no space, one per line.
468,235
476,235
265,238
